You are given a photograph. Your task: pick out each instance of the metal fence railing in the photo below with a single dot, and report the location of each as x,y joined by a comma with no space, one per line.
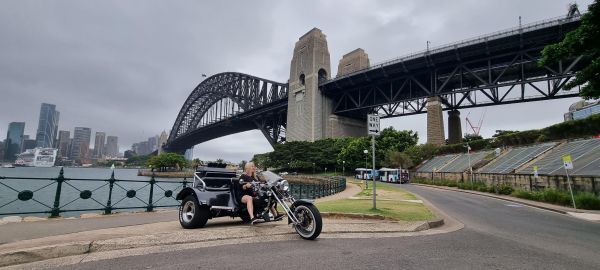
53,196
318,188
36,195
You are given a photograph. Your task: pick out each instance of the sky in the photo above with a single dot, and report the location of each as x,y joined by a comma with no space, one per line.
126,67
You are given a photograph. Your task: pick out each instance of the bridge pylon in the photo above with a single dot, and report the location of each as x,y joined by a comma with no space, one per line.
435,121
309,114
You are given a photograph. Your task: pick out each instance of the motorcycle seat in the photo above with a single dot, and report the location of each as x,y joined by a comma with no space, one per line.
236,191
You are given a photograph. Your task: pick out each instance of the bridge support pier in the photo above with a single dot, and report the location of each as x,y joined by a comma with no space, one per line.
309,113
454,127
435,122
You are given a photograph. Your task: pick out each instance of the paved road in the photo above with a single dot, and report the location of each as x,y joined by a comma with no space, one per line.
497,235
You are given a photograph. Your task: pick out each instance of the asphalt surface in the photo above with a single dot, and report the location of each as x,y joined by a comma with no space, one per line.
497,235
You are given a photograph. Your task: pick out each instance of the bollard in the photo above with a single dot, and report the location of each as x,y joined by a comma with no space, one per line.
150,206
56,209
111,182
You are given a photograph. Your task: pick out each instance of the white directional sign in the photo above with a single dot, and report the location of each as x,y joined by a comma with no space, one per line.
568,162
373,124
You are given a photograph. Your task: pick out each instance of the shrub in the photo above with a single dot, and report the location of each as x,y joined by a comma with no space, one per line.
482,188
523,194
555,196
587,200
505,190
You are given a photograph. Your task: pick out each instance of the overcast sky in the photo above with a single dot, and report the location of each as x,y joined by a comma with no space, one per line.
126,67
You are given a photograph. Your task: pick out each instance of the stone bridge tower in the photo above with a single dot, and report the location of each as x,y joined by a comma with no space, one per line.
309,112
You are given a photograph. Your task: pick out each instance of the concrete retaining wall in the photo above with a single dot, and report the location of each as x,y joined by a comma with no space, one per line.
520,181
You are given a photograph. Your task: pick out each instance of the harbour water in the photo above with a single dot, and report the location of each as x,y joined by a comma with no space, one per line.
73,191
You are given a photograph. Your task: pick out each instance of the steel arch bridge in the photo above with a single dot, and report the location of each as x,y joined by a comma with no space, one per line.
229,103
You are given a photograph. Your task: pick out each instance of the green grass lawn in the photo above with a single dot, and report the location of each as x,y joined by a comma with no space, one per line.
389,204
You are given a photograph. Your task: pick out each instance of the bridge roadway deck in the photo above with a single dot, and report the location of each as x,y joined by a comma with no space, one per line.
502,59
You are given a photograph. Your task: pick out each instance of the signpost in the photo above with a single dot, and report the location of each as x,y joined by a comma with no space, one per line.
568,164
373,130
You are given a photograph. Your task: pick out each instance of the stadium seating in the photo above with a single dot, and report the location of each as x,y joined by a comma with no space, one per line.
461,163
436,163
515,158
584,153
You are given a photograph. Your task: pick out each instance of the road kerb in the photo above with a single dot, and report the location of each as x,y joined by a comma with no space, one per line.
177,237
43,253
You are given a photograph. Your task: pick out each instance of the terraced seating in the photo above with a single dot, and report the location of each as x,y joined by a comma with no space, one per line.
584,153
436,163
515,158
461,163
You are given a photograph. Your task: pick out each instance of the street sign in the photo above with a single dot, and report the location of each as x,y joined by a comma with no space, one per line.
567,161
373,124
568,164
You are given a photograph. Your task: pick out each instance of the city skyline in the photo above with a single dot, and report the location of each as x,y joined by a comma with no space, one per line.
49,136
127,81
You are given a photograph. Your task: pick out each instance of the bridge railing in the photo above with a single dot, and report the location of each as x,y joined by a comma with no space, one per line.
465,42
54,196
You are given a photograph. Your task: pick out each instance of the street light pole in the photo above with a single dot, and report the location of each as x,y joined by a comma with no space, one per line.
366,156
313,168
344,168
470,167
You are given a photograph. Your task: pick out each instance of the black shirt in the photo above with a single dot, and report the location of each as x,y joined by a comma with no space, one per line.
247,179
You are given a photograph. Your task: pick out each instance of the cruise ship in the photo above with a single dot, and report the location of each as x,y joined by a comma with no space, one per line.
37,157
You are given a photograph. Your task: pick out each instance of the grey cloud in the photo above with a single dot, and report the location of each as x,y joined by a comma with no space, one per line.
126,67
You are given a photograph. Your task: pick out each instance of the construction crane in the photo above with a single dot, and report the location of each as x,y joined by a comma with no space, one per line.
477,128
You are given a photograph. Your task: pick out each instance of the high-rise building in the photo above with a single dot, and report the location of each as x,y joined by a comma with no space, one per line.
81,143
28,143
64,143
99,145
143,148
162,140
14,140
112,146
2,149
153,144
47,126
189,154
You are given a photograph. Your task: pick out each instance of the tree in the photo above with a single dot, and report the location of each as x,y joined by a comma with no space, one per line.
261,160
392,140
167,160
419,153
196,162
137,160
395,159
584,41
353,152
471,137
504,132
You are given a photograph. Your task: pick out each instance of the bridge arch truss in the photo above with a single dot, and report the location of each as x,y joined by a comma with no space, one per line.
227,103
